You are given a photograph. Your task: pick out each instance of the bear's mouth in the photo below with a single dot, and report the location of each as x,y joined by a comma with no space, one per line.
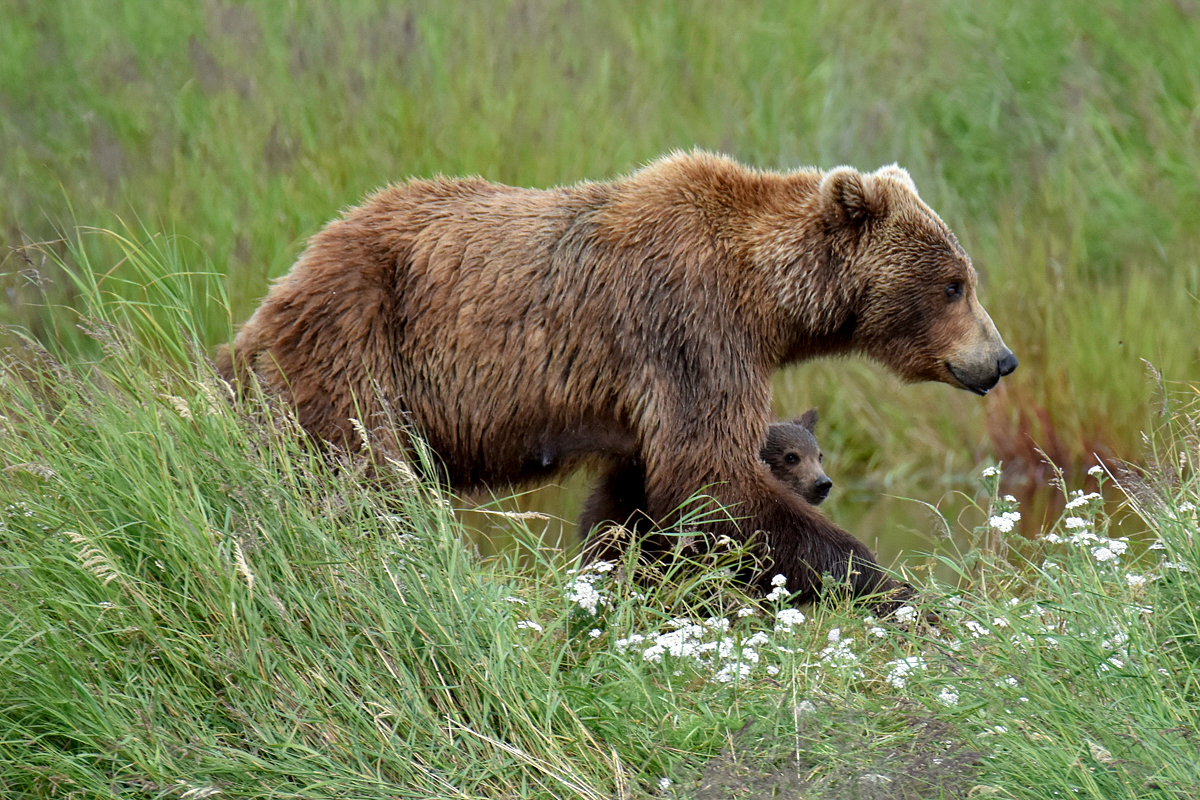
979,387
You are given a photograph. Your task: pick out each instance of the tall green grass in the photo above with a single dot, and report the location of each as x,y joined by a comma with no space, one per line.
197,604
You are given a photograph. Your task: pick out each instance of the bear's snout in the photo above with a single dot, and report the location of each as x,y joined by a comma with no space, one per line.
1007,363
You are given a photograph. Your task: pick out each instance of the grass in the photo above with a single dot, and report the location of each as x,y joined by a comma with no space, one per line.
198,605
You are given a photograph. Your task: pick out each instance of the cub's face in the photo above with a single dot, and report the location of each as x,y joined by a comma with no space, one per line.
917,311
792,453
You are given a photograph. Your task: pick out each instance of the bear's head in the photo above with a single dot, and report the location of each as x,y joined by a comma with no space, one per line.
795,457
863,265
916,310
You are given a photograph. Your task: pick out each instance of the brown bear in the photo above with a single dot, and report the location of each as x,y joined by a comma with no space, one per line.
791,451
500,324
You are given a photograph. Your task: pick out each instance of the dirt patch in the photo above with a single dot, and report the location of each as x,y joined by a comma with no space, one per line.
818,751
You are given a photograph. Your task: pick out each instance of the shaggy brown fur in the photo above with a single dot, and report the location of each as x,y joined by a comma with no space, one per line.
506,323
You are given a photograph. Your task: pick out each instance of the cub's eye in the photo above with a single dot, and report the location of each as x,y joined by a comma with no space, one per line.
792,458
820,458
954,291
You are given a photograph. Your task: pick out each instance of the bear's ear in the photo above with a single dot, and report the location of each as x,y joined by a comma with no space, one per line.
846,195
808,420
898,174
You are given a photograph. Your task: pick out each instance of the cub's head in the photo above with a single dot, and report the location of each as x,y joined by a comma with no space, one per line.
912,287
795,458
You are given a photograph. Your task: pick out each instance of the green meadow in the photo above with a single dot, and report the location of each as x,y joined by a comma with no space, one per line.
192,604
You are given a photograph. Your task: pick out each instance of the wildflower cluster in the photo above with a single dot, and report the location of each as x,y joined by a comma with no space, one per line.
1003,515
582,589
709,646
1083,524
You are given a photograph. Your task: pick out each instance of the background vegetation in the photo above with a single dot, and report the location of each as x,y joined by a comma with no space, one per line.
197,607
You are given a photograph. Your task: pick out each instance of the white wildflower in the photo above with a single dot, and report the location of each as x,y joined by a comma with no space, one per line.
595,633
1074,522
947,696
664,784
1103,554
780,591
514,599
772,670
681,642
757,640
989,472
746,611
838,653
786,618
1096,471
1135,581
731,671
654,653
533,626
1006,521
625,644
1008,498
1079,499
906,614
901,669
977,630
582,591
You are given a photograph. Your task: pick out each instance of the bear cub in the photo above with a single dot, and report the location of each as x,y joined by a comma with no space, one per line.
792,453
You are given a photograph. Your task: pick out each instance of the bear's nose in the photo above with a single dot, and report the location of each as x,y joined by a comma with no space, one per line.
1007,364
823,486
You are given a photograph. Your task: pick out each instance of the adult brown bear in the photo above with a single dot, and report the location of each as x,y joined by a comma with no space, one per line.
504,324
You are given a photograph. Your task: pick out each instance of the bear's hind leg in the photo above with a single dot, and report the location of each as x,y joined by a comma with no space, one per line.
614,511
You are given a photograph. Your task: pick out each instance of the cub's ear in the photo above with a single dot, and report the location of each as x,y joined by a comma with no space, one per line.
846,194
807,420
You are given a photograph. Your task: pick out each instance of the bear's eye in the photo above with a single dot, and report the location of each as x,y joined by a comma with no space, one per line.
792,458
820,458
954,291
